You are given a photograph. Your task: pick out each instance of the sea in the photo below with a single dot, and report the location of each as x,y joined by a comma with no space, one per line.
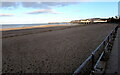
5,26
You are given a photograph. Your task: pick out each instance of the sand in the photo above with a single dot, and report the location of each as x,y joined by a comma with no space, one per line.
50,50
38,26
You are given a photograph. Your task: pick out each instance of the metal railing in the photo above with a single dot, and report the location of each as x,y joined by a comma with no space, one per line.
91,63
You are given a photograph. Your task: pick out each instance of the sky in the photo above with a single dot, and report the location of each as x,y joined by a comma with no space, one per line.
44,12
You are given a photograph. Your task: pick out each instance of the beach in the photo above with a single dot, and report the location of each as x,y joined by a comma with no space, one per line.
58,49
30,26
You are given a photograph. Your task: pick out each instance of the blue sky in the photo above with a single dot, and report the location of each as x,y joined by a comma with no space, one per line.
44,12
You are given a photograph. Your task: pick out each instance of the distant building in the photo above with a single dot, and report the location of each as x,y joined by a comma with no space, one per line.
85,21
92,20
99,20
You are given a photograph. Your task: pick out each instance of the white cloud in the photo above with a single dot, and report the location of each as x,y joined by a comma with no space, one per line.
3,14
35,4
44,11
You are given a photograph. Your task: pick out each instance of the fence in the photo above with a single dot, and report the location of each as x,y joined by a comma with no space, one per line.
99,54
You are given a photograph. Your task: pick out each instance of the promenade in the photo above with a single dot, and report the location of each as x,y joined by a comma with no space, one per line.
113,62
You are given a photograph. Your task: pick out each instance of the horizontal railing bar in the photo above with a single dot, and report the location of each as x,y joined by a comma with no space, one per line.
99,60
103,41
105,44
97,48
82,65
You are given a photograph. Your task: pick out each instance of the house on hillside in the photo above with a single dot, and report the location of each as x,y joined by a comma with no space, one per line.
88,21
100,21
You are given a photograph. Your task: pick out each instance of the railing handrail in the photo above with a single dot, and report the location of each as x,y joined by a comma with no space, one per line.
77,71
85,62
103,41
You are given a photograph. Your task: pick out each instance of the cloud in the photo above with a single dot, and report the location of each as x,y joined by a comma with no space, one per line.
44,7
5,15
44,11
35,4
8,4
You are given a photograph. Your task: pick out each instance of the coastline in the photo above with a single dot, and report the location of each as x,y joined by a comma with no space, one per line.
38,26
14,32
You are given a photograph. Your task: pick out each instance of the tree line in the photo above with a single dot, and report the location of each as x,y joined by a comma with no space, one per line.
115,19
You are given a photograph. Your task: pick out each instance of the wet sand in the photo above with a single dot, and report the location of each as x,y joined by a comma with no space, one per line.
50,50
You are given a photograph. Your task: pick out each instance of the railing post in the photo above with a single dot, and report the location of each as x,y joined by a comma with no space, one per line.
104,45
112,36
116,29
108,39
93,61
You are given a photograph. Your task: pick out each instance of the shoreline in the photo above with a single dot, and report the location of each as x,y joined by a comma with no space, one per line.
39,26
13,32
